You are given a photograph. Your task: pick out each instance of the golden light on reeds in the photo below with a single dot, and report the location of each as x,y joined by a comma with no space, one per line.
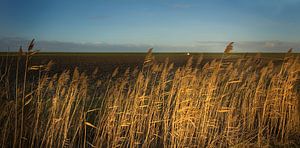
148,59
229,47
243,104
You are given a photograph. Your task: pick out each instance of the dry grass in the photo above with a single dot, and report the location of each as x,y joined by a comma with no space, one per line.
225,103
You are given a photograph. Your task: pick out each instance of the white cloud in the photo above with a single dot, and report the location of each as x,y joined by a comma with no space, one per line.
199,46
251,46
269,44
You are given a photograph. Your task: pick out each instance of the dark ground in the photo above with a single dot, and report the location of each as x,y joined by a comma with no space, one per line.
107,62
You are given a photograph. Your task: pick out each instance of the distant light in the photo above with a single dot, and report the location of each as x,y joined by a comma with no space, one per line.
188,53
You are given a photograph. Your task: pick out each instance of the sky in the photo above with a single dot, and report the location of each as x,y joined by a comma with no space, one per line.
166,25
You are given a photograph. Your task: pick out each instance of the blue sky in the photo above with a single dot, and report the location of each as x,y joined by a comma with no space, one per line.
168,25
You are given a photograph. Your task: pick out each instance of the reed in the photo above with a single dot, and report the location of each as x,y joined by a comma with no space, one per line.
245,102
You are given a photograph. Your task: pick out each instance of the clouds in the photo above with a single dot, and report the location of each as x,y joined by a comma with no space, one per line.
251,46
199,46
269,46
57,46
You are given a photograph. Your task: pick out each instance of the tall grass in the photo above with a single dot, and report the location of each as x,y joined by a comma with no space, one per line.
246,102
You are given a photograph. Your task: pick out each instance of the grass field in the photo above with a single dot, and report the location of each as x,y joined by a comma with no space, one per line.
149,100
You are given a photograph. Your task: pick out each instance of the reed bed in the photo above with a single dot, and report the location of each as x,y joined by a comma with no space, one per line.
244,102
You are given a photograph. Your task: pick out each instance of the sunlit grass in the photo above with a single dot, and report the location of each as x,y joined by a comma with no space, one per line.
245,102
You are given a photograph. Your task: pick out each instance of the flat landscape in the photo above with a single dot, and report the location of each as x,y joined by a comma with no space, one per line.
150,74
150,99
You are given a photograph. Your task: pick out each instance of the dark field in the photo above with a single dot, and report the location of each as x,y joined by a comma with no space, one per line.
107,62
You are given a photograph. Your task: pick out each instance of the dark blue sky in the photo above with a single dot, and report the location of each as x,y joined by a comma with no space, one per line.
180,24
